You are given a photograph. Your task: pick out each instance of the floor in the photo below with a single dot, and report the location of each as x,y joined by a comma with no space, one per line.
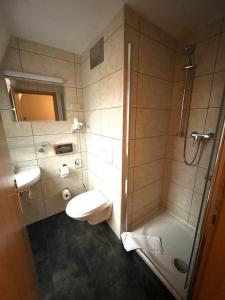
75,260
177,241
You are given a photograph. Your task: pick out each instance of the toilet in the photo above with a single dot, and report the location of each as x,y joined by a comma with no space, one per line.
90,206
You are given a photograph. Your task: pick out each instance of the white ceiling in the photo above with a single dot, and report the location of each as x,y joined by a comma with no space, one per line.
73,24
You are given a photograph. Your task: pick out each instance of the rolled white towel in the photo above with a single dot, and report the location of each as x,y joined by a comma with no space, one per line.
132,241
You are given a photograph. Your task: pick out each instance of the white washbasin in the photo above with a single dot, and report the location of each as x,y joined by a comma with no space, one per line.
27,176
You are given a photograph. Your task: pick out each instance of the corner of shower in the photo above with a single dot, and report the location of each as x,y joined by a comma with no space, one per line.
176,268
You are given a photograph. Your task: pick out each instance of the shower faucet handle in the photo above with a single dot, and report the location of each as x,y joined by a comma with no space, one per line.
202,136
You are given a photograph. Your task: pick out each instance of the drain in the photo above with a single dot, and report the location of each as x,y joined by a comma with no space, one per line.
180,265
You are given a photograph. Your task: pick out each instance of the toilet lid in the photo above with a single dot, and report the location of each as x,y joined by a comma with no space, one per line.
85,204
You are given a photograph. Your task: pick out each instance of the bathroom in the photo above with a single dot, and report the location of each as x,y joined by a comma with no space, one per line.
135,135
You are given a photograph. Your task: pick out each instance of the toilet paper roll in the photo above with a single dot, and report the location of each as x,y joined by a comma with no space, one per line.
66,194
64,170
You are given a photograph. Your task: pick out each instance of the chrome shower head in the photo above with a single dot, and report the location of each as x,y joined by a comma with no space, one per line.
188,51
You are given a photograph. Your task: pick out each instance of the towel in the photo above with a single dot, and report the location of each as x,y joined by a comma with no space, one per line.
132,241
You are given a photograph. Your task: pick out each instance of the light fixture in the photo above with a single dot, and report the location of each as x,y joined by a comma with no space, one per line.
29,76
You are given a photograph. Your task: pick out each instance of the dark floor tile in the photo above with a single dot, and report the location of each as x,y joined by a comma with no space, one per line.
78,261
45,280
126,288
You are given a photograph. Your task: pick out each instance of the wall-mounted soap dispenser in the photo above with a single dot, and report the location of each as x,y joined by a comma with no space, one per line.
76,126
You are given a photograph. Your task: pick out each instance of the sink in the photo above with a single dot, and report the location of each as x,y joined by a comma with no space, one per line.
27,176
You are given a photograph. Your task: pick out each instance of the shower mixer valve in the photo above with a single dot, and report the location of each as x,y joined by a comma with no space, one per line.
201,136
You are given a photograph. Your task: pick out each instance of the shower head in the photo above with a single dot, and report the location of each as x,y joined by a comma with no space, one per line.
188,51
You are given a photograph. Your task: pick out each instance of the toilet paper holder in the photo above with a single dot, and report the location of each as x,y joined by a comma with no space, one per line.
64,170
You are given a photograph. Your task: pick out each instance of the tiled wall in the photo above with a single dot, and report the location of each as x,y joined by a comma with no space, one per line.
153,62
184,185
24,138
103,111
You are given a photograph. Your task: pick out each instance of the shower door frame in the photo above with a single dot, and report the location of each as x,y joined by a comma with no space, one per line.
214,215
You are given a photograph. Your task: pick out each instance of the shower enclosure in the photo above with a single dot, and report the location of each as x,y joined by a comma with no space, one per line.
174,118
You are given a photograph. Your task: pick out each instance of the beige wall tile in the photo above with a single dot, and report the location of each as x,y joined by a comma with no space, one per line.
211,119
130,179
27,163
93,121
51,140
116,22
34,212
151,122
192,220
89,75
217,89
112,177
178,195
155,59
132,121
157,34
93,143
205,55
134,84
200,180
174,119
204,162
53,186
4,98
153,92
50,166
111,151
115,224
111,122
197,120
148,196
16,129
177,93
149,149
70,98
78,68
45,50
43,65
11,60
179,173
21,148
148,173
201,91
132,36
94,165
54,205
195,205
178,212
175,148
91,97
113,54
131,17
179,64
131,152
51,127
36,195
220,64
111,90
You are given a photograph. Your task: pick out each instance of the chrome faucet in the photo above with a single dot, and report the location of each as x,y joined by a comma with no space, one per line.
202,136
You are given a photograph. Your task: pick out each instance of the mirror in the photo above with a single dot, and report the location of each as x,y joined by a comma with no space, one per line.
35,100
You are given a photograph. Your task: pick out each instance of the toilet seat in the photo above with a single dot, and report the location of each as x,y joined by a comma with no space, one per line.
85,204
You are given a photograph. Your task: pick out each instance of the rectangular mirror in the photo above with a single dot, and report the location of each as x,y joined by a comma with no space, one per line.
35,100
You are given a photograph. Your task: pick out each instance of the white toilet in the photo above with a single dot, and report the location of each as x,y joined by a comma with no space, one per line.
91,206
